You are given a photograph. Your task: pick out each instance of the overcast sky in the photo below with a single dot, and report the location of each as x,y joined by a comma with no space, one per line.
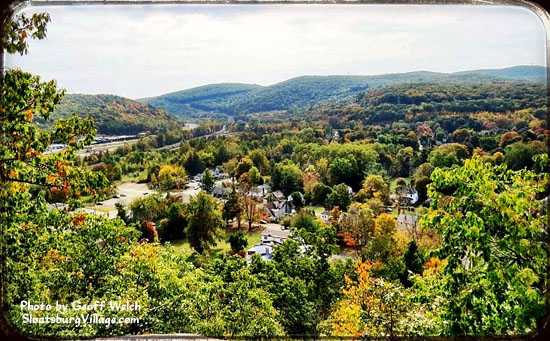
147,50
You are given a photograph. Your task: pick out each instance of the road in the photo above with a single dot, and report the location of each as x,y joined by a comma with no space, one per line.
177,144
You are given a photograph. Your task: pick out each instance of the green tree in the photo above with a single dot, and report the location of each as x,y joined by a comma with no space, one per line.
448,155
207,181
339,197
421,186
287,178
297,200
520,155
260,161
238,241
374,186
254,177
320,193
494,243
204,222
359,222
232,207
414,262
406,159
192,162
121,213
173,226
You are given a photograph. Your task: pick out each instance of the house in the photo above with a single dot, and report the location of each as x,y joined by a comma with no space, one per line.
221,176
217,174
197,177
221,192
408,196
269,239
264,250
260,191
274,236
326,216
275,196
278,209
350,190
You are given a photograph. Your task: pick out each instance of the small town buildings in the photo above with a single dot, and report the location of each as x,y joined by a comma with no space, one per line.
221,192
260,191
275,196
278,209
269,239
326,216
217,174
408,196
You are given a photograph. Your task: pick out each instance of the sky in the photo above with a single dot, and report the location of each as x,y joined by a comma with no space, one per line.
146,50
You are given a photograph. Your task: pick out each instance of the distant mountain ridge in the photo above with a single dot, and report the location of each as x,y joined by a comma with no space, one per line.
213,97
305,91
115,115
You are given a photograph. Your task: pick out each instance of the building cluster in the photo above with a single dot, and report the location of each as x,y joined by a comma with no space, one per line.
269,239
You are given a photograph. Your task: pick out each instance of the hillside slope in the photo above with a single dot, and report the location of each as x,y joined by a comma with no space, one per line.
302,92
520,72
115,115
208,98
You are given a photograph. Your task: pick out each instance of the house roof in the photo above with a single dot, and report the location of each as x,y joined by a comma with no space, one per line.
275,205
220,191
276,233
278,194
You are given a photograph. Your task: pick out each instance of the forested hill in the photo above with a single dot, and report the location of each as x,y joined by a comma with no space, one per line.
305,91
208,98
117,115
521,72
451,105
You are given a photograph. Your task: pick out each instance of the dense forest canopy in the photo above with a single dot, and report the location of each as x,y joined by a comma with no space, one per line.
306,91
114,115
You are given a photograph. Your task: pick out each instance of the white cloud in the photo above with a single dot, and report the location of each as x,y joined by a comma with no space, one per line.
146,50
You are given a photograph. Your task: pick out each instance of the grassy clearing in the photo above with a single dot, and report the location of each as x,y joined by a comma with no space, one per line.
317,209
183,248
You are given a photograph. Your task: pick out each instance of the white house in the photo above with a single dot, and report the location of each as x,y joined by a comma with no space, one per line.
264,250
325,216
274,236
411,196
269,239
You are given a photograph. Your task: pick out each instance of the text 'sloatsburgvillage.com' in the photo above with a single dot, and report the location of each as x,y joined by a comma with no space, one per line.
84,318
